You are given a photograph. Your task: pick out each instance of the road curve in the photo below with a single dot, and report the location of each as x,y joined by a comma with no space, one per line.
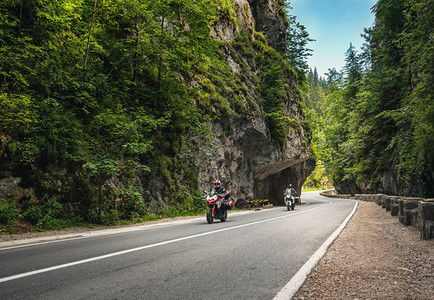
251,256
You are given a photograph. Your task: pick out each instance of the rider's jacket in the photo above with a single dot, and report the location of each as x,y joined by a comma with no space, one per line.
219,191
291,191
223,194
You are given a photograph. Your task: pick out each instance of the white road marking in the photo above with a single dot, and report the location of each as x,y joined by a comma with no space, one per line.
298,279
14,244
9,278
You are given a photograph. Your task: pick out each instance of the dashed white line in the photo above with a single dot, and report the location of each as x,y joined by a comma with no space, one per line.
9,278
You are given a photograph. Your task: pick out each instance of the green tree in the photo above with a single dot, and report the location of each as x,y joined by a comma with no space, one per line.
297,40
380,120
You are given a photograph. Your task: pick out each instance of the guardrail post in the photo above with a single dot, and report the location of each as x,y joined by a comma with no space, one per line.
408,210
394,207
425,219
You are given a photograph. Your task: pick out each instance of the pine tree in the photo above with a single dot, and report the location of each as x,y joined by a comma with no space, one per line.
297,39
352,68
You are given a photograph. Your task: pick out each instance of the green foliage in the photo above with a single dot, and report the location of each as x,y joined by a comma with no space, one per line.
274,90
105,94
47,214
297,40
313,106
318,180
110,218
380,122
49,223
17,116
9,212
353,67
43,209
134,206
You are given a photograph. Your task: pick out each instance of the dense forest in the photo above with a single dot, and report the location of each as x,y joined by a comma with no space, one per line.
373,122
95,89
104,94
99,96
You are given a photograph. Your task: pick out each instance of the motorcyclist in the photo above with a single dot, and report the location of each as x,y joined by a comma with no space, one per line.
290,191
222,193
218,188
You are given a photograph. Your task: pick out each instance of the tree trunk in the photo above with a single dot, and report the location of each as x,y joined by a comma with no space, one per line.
160,65
135,56
90,34
21,14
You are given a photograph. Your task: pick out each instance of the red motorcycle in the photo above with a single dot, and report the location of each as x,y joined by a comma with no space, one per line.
218,206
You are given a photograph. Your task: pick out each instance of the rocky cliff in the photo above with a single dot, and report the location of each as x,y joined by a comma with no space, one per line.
245,157
255,143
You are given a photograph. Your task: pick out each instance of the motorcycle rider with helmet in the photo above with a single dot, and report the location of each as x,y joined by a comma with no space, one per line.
222,193
290,191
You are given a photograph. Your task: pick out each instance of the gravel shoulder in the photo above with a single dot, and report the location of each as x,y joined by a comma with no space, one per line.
374,257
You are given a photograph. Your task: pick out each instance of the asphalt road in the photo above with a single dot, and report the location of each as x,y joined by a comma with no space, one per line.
250,256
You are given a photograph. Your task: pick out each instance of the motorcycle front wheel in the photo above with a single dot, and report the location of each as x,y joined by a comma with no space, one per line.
209,217
225,216
288,205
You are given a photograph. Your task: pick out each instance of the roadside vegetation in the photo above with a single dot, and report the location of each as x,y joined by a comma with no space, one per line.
97,100
98,96
373,123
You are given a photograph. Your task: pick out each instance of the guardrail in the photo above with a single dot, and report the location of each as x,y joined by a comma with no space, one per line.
418,212
332,194
261,203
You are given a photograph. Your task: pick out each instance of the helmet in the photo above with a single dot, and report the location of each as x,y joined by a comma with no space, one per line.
217,183
290,185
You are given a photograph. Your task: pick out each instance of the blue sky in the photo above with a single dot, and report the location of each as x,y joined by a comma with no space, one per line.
333,24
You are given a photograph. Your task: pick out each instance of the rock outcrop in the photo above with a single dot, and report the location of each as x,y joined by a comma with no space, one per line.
250,164
240,151
269,18
246,159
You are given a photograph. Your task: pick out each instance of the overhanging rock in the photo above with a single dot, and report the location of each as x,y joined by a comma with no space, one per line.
276,167
271,180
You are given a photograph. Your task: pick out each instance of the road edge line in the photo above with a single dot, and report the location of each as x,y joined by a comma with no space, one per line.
96,258
292,287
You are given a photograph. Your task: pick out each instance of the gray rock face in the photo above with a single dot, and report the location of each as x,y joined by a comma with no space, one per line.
261,15
392,183
249,164
226,30
389,183
269,19
246,159
10,188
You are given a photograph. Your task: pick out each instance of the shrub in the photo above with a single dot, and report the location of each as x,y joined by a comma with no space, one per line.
50,223
111,218
9,213
43,209
33,214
